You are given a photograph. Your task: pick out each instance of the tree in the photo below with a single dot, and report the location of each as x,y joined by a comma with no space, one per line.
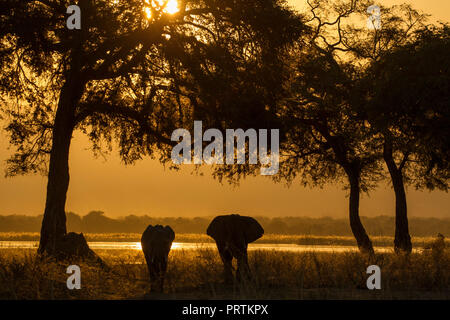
323,139
327,139
392,126
335,129
365,46
409,107
131,74
401,27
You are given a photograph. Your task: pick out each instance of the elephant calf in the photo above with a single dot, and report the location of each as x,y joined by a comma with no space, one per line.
232,234
156,242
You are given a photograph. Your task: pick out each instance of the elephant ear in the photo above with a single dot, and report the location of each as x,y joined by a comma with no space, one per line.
252,230
215,228
170,234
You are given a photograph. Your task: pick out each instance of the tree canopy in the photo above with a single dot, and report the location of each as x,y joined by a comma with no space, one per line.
139,77
409,101
132,74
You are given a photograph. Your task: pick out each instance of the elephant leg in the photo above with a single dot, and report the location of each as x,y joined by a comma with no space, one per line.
157,278
243,269
153,279
149,267
162,268
154,273
159,283
227,259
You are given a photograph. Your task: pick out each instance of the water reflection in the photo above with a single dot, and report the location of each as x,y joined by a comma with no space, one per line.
192,246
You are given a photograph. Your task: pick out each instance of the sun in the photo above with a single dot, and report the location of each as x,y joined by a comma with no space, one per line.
167,6
172,7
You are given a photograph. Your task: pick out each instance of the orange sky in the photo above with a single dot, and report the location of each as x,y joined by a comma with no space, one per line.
146,188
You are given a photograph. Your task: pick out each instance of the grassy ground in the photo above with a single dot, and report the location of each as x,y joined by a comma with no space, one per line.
380,241
197,274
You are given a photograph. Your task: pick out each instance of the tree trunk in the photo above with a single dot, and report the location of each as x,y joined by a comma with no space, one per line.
402,242
362,239
54,223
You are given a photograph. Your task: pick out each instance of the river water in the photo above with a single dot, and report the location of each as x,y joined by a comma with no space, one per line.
191,246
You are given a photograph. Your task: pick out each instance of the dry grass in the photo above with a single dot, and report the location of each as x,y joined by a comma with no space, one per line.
197,274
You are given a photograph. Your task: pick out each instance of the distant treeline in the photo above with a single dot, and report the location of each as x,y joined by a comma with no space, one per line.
97,222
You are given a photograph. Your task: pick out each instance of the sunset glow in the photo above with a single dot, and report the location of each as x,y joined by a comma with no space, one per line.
167,6
205,159
175,245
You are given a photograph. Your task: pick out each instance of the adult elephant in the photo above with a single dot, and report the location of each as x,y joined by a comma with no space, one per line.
232,234
156,242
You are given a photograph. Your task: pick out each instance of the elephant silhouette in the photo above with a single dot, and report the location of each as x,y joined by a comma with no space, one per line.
232,234
156,242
